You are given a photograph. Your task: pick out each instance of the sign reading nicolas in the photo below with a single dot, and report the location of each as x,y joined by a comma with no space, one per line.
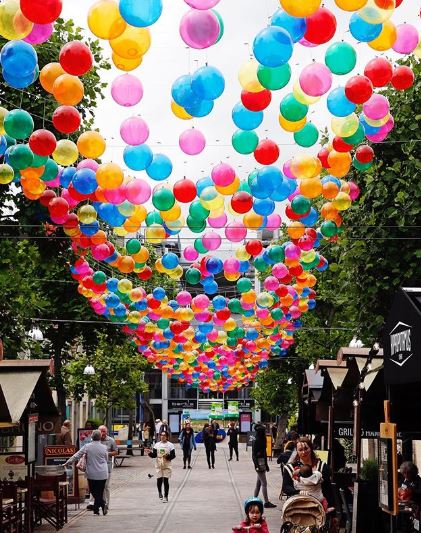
402,339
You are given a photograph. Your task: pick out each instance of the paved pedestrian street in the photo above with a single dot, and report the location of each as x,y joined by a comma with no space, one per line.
200,500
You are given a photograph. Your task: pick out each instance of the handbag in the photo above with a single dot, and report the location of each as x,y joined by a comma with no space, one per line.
261,464
81,464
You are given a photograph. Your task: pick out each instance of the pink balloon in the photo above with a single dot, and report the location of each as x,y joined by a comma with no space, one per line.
280,270
134,131
292,251
406,40
69,199
286,169
231,265
201,301
306,43
235,231
190,253
53,183
273,222
59,220
218,222
199,29
315,79
184,298
88,163
271,283
192,142
354,190
223,175
127,90
40,33
376,107
138,191
211,240
115,196
202,4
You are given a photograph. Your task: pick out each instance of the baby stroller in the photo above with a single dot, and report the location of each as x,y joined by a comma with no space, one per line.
303,514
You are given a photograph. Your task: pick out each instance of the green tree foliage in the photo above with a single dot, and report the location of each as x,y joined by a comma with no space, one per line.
274,394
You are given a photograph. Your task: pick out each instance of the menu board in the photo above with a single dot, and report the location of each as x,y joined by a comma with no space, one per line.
58,455
388,469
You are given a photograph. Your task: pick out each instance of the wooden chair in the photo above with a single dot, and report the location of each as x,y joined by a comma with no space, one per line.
347,511
49,500
9,515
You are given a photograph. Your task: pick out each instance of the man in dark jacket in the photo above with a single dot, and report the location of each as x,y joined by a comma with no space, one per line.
233,440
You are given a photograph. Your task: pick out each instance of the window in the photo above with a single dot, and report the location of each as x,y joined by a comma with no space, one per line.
154,381
180,391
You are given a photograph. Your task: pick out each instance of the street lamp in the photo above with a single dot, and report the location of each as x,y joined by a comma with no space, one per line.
355,343
89,370
36,334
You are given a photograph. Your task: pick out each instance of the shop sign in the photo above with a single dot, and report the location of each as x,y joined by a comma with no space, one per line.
182,404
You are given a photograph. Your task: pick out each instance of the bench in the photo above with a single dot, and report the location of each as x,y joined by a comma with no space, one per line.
119,459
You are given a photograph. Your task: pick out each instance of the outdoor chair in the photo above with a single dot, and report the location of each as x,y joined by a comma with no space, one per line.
9,516
347,511
49,500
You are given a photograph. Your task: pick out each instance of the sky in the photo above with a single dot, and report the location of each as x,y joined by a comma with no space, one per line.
169,58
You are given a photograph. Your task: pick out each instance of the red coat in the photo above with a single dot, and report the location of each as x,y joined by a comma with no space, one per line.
252,529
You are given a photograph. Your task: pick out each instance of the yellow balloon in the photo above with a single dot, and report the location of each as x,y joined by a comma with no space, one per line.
229,189
242,254
386,39
120,231
109,175
179,111
417,50
66,153
126,64
6,174
172,214
105,21
87,214
300,8
305,166
91,144
252,220
301,96
290,126
350,5
345,126
3,114
342,201
215,213
377,11
155,234
211,199
377,123
13,23
296,229
247,76
132,43
140,214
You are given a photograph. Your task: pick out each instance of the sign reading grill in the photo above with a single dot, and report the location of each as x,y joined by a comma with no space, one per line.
400,343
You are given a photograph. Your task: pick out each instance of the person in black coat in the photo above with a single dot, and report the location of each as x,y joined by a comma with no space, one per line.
260,462
209,440
232,433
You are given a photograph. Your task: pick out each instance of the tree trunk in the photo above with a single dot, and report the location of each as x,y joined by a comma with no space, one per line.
149,408
58,376
281,430
130,434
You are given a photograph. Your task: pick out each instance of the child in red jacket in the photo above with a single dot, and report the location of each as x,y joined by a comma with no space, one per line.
254,522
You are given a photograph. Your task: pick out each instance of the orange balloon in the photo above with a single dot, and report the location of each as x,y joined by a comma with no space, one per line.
49,74
328,211
109,175
126,64
32,172
311,188
91,144
296,229
126,264
100,237
68,90
329,190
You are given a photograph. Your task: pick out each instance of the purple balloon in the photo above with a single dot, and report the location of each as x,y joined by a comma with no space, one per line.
202,4
40,33
134,131
306,43
376,107
315,79
127,90
192,142
199,29
406,39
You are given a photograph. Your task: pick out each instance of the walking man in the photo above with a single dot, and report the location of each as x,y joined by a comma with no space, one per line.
233,440
112,449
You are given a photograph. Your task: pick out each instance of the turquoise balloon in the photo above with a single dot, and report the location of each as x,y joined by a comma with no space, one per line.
140,14
160,168
138,157
357,137
18,124
307,136
274,78
19,156
245,142
340,58
291,109
362,30
338,104
272,46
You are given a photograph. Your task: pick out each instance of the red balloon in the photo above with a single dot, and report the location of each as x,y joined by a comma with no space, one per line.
294,216
41,11
321,26
58,207
185,190
340,145
379,71
76,58
256,101
242,202
46,197
403,78
66,119
267,152
323,155
364,154
254,247
223,314
398,3
145,274
358,89
72,221
42,142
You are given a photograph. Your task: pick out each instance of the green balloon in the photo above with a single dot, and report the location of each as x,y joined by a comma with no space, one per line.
340,58
300,204
231,343
234,305
18,124
221,25
240,333
195,225
163,323
133,246
307,136
357,137
276,253
193,276
328,228
244,285
50,171
361,166
153,218
291,109
277,314
251,176
274,78
20,156
245,142
311,264
260,264
197,211
198,246
163,199
39,161
244,187
99,277
9,140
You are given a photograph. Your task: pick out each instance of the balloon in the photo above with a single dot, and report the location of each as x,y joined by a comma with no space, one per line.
182,91
321,26
185,190
133,43
272,46
211,240
68,90
200,109
223,174
245,142
291,109
18,124
315,79
345,126
207,83
19,58
379,71
376,107
91,144
6,174
245,119
40,34
105,21
84,181
179,111
49,74
295,26
127,90
202,4
403,78
134,131
338,104
247,76
199,29
42,142
307,136
138,157
13,23
300,8
406,39
386,38
377,11
140,14
19,82
267,152
256,101
138,191
160,167
76,58
125,64
364,154
19,156
358,89
235,232
341,58
362,30
350,5
41,11
274,78
290,126
66,119
163,199
192,142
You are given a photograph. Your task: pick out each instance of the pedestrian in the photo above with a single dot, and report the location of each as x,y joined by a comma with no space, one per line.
210,444
147,434
261,464
96,469
215,427
166,427
163,452
254,521
274,431
188,443
232,433
158,425
65,436
112,450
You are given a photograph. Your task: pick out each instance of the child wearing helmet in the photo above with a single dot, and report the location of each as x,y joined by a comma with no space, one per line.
254,522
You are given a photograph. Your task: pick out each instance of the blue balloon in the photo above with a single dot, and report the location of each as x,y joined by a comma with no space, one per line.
368,130
182,92
18,82
263,207
258,190
203,183
112,300
200,109
363,31
219,302
138,157
142,305
267,178
244,266
66,176
295,26
89,229
173,304
200,337
159,293
120,310
110,214
160,168
168,334
311,219
205,327
208,83
140,14
18,58
214,265
292,184
272,46
170,260
245,119
171,231
112,284
282,190
3,144
328,178
251,334
84,181
211,288
338,104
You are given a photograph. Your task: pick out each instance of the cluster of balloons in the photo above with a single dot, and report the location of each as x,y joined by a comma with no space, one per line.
202,26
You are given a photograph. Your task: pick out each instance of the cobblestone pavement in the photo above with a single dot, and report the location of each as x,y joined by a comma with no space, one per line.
200,500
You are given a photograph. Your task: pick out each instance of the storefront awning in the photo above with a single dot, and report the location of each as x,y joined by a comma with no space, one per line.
17,388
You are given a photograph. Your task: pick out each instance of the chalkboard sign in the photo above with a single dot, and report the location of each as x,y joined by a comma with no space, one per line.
388,478
251,437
